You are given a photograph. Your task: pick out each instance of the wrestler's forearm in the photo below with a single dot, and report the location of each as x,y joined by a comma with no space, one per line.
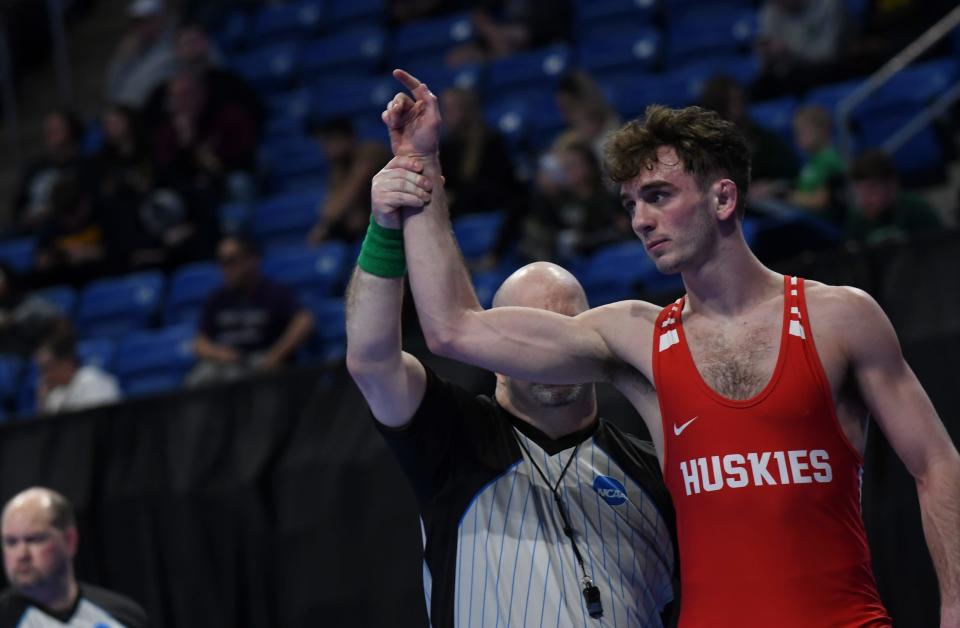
939,493
441,285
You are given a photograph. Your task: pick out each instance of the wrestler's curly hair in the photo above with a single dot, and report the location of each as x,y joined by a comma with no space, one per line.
709,147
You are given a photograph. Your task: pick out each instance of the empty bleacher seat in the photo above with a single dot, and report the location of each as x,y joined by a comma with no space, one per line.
440,77
710,31
349,97
282,21
486,284
593,16
18,253
292,158
348,13
270,67
427,40
285,220
530,71
330,333
617,272
151,361
633,49
189,288
312,272
776,115
11,370
355,50
113,307
477,233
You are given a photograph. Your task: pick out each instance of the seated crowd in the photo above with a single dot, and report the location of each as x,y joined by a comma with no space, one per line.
179,138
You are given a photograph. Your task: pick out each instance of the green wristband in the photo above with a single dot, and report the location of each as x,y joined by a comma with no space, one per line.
382,251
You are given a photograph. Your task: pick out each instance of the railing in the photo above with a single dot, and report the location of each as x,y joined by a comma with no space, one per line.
879,78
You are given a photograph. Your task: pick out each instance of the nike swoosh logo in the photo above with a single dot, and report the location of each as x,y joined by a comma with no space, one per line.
679,430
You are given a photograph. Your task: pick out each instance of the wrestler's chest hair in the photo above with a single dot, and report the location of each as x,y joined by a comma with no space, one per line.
736,359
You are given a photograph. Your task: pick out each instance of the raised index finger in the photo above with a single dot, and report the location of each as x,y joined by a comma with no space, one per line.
411,82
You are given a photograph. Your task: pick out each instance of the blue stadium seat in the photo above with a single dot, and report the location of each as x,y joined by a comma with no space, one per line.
292,158
232,31
529,71
511,118
312,272
486,284
330,332
617,272
18,252
429,39
594,16
440,77
280,21
153,361
634,49
685,83
98,352
285,220
630,92
288,111
189,288
913,87
350,13
64,297
712,31
113,307
356,50
352,96
477,233
11,370
776,115
268,68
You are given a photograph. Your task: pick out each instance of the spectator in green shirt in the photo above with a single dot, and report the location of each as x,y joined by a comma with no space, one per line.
885,211
817,186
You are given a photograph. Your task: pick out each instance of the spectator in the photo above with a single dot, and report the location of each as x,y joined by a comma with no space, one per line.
478,167
884,210
345,211
250,324
66,385
506,27
123,178
588,115
774,163
144,58
573,212
799,43
70,244
25,319
820,181
196,53
63,133
202,144
145,225
40,541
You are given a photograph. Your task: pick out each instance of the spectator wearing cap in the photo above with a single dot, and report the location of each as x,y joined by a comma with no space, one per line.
345,209
145,57
883,209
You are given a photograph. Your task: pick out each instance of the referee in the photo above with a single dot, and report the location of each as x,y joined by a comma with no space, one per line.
534,511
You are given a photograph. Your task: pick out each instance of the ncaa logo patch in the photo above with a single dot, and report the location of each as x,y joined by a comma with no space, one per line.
610,490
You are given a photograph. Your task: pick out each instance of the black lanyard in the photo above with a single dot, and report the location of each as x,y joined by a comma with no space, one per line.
591,594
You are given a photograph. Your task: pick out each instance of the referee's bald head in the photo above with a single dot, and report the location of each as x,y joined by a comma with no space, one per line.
545,286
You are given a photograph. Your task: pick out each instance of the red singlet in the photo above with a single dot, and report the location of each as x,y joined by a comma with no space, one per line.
766,490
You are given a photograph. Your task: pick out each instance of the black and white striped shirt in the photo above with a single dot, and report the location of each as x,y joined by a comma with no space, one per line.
494,549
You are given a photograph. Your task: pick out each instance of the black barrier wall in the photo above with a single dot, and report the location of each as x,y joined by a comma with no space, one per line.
276,503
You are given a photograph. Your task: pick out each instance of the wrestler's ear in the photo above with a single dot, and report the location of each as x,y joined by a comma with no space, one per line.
725,192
